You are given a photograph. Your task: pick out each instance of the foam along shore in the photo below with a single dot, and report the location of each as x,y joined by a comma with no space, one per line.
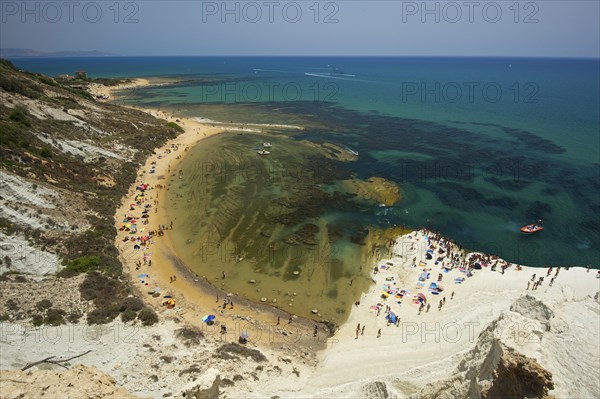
428,344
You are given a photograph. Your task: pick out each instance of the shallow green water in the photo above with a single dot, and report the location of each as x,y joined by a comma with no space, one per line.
266,219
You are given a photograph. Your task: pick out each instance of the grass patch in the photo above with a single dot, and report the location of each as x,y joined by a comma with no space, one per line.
175,126
83,264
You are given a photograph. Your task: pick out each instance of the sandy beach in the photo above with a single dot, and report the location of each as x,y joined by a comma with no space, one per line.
424,346
157,259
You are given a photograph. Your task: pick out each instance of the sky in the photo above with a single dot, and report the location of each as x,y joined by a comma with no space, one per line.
562,28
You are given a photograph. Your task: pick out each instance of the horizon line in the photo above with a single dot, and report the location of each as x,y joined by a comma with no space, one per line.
306,56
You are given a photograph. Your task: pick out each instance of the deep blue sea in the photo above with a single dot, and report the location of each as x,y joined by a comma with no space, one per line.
479,146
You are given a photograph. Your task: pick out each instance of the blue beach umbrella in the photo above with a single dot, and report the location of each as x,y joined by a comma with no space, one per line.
208,318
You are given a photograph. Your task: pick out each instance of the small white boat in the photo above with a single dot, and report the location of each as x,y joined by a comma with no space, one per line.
263,152
267,145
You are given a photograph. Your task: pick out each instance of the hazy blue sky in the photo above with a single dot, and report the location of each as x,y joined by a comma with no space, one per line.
526,28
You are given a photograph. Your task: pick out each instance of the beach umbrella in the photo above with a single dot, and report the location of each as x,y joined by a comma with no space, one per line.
142,275
208,318
244,335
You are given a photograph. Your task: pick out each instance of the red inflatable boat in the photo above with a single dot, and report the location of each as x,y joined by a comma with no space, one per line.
532,228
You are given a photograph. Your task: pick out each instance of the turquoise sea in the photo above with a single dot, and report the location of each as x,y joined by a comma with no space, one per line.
479,146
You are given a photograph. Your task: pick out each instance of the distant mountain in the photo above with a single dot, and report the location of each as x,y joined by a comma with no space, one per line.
24,52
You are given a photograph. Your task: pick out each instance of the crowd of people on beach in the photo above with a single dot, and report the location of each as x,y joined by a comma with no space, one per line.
136,232
434,251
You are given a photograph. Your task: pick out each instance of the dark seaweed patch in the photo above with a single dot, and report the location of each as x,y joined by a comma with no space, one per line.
550,191
501,202
535,142
590,225
512,185
538,210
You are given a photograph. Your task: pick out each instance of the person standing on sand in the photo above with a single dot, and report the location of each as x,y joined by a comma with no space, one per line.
379,333
529,282
428,307
362,331
278,320
452,296
223,275
290,319
533,277
440,306
315,331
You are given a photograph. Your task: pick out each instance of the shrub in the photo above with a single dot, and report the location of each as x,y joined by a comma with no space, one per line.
83,264
37,320
20,115
131,303
4,317
173,125
103,315
46,152
14,85
148,316
228,351
55,317
74,317
43,305
12,305
167,359
128,315
189,335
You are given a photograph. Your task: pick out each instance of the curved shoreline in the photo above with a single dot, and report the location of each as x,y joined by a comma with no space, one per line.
195,296
346,362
